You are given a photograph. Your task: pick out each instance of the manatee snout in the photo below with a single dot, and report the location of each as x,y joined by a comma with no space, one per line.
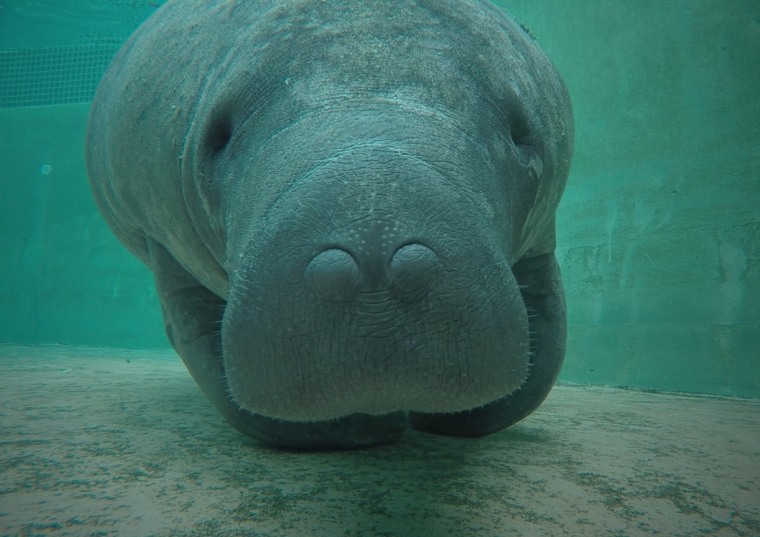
342,307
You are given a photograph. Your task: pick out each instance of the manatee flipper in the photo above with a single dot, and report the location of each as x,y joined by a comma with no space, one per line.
192,317
541,288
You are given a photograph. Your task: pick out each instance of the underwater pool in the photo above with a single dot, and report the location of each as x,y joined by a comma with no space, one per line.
653,427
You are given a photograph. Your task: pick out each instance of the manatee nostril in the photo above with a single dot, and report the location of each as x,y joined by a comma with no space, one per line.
413,267
333,275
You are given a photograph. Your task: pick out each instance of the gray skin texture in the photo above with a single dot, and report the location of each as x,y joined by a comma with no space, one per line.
348,207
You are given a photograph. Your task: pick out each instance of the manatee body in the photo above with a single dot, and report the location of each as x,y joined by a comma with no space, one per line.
348,207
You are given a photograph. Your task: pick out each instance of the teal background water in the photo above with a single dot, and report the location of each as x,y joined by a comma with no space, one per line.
658,232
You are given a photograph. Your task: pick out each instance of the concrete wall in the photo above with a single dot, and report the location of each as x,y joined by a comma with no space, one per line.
63,276
658,231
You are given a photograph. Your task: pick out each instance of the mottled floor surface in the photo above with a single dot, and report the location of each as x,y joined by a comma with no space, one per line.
122,443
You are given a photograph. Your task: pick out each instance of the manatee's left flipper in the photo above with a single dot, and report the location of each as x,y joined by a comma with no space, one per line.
193,319
541,287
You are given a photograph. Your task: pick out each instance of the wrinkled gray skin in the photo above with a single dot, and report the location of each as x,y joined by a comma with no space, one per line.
348,207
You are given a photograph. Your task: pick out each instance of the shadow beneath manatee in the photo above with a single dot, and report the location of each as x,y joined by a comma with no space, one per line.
228,484
422,485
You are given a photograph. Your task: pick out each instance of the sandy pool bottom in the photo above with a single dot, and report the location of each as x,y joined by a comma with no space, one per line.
101,442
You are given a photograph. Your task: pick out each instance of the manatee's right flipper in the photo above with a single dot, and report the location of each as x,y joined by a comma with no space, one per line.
192,316
541,288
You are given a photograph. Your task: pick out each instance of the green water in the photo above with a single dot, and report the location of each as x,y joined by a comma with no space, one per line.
658,232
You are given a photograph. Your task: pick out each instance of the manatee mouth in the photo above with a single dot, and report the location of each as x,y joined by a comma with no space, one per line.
293,355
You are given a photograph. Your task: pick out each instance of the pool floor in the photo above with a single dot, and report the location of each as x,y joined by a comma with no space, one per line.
112,442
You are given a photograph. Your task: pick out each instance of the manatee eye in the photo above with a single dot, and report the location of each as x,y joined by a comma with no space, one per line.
526,149
519,130
219,134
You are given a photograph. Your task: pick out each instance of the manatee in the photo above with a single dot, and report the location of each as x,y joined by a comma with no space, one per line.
348,208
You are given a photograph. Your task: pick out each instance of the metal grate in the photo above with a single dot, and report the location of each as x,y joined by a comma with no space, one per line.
50,76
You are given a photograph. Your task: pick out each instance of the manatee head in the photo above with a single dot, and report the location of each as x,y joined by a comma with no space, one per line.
364,192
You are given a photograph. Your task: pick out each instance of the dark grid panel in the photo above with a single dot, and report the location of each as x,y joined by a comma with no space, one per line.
50,76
